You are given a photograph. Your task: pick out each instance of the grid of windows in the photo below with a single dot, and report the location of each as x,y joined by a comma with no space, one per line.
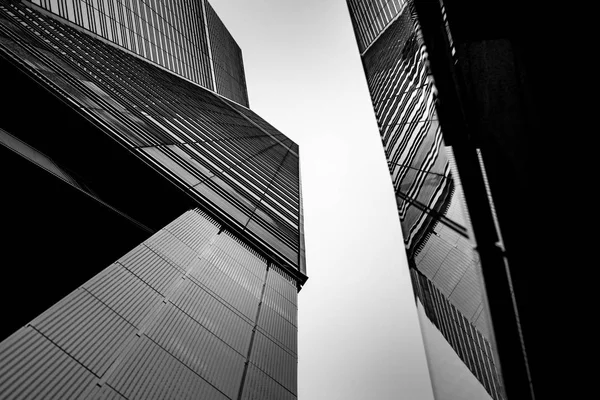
428,195
171,34
219,152
191,312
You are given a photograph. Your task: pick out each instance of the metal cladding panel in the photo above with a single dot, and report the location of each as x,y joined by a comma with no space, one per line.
214,315
281,305
276,362
211,277
104,393
86,329
199,349
278,328
282,283
241,253
194,229
152,269
148,372
34,368
170,248
260,386
124,293
235,270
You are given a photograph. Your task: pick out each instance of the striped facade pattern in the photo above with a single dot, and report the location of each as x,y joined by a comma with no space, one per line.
227,60
151,327
172,34
371,17
220,153
430,202
473,347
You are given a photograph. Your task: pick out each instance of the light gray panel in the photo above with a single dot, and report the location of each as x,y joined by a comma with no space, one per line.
34,368
260,386
123,292
86,329
214,315
278,328
150,373
199,349
275,361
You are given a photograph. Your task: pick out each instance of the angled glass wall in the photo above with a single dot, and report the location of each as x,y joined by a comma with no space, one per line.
186,38
440,247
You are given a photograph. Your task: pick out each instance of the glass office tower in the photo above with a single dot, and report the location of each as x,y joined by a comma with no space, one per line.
156,243
439,240
184,37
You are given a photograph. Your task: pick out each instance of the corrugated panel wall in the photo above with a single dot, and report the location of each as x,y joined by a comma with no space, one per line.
148,372
51,373
285,308
275,361
214,315
199,349
86,329
278,328
210,276
164,322
259,386
283,284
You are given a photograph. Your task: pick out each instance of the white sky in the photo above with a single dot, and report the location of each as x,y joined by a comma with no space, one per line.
359,337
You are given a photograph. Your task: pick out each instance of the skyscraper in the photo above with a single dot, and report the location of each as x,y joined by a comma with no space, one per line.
440,243
156,245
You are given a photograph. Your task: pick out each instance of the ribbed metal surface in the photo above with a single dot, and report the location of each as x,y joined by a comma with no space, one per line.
279,364
150,373
285,308
214,315
235,270
278,328
283,284
86,329
169,247
152,269
259,386
199,349
242,253
194,229
104,393
34,368
124,293
210,276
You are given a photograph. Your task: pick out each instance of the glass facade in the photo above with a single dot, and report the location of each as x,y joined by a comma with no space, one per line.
206,306
440,247
178,36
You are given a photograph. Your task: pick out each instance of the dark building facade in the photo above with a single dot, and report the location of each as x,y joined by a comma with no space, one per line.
464,96
156,244
439,241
